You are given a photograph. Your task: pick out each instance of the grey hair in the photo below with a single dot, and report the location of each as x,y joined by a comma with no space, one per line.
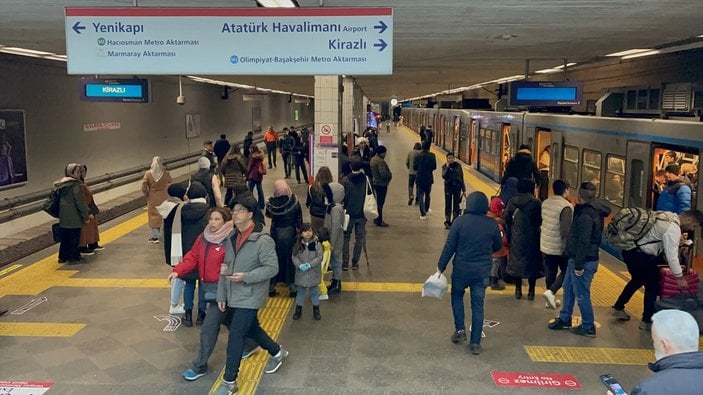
678,327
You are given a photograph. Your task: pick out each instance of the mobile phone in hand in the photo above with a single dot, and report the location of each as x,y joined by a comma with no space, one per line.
613,386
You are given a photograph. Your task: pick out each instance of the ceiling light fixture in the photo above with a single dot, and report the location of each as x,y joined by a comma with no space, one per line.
277,3
637,55
32,53
629,52
242,86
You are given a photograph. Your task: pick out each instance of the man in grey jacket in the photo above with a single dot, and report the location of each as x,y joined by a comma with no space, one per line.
679,365
250,262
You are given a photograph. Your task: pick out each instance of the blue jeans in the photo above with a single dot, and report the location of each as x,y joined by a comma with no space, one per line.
577,289
478,295
189,296
259,190
302,292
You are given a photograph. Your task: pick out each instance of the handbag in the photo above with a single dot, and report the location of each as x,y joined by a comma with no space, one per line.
370,206
56,232
209,291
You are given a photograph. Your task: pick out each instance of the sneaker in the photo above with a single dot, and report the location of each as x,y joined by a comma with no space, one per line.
619,314
86,251
246,354
226,388
579,330
355,266
178,309
423,217
459,336
474,348
429,211
410,201
96,247
345,267
192,375
324,297
447,225
549,297
153,240
276,361
558,323
645,326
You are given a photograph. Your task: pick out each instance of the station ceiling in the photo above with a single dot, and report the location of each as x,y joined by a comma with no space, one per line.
438,45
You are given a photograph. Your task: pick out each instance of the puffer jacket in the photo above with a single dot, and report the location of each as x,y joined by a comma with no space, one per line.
309,253
676,374
586,232
523,216
234,170
73,212
521,166
472,239
334,217
257,260
676,197
381,172
254,173
205,257
284,212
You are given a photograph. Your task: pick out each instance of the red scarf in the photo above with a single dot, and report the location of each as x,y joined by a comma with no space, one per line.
242,236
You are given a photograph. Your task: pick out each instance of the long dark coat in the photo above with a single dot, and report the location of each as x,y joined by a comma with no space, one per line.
523,217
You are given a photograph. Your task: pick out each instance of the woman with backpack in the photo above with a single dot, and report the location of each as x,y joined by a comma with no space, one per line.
234,170
499,259
316,198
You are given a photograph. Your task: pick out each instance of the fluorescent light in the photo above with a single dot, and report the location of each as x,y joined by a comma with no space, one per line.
701,36
547,71
242,86
567,65
637,55
25,51
277,3
628,52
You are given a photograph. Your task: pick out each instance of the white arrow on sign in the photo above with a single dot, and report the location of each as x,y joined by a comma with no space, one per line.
173,322
28,306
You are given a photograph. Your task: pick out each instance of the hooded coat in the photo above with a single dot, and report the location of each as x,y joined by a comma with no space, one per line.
523,217
586,232
675,374
309,253
354,194
73,212
472,239
286,218
521,166
334,218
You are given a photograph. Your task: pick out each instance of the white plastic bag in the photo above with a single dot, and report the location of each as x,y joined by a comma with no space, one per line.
435,286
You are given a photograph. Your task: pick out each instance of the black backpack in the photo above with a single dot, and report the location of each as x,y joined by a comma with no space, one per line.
53,203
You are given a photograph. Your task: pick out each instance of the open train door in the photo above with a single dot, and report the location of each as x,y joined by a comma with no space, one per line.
637,173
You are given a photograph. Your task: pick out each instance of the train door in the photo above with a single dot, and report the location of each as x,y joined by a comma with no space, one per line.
687,160
507,150
637,180
457,126
557,141
463,151
543,157
473,153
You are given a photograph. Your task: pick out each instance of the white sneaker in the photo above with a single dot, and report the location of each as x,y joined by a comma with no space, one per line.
429,211
324,297
549,297
178,309
423,217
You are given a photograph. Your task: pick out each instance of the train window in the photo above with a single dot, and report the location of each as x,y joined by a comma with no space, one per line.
653,99
570,167
615,180
642,99
590,170
636,183
631,99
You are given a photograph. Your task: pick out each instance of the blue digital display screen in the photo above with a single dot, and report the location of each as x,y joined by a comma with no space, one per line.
546,93
115,90
104,90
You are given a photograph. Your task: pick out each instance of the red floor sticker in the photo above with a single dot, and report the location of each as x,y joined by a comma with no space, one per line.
24,387
541,380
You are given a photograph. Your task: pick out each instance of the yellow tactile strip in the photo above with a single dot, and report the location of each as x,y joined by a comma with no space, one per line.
272,317
41,329
9,269
115,283
590,355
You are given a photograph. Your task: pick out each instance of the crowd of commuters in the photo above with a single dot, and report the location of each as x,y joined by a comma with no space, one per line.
221,248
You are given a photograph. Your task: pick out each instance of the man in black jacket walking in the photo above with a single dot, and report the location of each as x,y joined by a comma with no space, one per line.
582,249
355,185
454,189
425,164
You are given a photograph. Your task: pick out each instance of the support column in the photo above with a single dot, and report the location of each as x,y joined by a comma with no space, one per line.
328,125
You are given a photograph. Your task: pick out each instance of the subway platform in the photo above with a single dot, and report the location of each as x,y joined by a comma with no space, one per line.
103,327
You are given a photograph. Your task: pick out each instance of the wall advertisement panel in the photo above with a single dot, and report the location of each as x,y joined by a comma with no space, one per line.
13,149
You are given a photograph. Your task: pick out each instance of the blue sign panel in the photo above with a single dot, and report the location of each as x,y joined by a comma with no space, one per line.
132,91
545,93
230,41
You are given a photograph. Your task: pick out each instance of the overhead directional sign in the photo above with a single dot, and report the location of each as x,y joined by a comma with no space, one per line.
230,41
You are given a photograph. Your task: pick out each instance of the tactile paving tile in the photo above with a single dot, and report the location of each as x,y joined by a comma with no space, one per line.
42,329
590,355
272,317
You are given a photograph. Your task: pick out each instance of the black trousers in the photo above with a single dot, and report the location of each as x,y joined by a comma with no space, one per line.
68,249
301,167
643,272
245,324
381,192
554,264
451,204
271,149
287,165
423,196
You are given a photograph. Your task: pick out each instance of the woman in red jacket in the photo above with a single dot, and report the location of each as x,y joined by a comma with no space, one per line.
207,255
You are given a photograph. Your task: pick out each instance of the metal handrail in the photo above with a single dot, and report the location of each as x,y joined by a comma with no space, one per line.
33,202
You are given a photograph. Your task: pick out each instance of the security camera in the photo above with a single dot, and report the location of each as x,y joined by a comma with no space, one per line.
181,100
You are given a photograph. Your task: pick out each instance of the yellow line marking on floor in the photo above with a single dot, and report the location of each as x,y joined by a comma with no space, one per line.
272,317
9,269
45,273
42,329
115,283
590,355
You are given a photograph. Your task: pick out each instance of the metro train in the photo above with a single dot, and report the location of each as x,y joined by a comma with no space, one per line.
620,155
